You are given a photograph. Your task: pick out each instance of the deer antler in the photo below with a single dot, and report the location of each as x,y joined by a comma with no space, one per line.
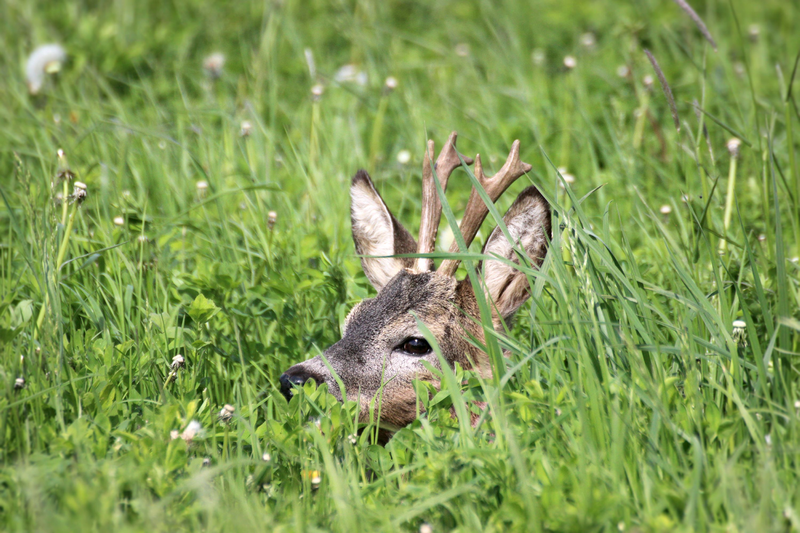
476,210
446,163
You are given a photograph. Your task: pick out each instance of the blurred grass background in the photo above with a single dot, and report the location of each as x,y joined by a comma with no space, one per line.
631,402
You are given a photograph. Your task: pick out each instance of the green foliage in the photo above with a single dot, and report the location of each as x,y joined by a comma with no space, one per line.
214,251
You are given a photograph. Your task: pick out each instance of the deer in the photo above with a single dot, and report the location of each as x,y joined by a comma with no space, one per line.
382,350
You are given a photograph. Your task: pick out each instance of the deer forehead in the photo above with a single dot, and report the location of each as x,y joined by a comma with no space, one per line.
428,295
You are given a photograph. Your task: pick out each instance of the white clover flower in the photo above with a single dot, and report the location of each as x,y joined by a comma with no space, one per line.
177,362
733,145
46,59
403,157
316,91
246,129
266,457
568,178
226,413
192,430
213,64
739,333
425,528
666,209
119,221
352,438
350,73
390,83
570,62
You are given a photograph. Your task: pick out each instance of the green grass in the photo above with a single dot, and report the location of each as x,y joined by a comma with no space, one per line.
627,402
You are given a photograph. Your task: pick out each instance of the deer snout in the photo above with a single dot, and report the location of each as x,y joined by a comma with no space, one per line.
296,377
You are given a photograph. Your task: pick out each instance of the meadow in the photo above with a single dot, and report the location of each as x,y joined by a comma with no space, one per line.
650,385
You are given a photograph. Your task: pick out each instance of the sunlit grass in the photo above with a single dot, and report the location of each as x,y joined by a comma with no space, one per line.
213,251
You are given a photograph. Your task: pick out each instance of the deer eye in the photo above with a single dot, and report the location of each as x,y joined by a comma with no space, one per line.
416,346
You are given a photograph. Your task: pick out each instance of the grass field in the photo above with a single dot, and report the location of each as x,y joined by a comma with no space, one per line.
628,402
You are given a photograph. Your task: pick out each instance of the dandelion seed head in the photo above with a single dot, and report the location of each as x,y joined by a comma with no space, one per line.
46,59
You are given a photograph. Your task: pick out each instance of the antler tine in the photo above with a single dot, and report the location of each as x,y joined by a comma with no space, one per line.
476,210
446,163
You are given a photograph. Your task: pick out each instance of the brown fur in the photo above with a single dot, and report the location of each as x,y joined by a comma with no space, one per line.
367,359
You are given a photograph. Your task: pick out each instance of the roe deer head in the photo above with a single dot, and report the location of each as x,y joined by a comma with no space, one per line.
382,346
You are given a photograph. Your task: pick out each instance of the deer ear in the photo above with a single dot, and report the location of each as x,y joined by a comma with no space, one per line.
528,223
377,233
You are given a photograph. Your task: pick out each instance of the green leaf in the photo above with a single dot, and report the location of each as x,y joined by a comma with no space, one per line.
202,309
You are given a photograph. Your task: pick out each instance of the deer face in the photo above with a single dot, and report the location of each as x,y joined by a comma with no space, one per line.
382,349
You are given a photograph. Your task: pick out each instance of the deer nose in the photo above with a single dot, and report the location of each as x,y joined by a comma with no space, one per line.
288,382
